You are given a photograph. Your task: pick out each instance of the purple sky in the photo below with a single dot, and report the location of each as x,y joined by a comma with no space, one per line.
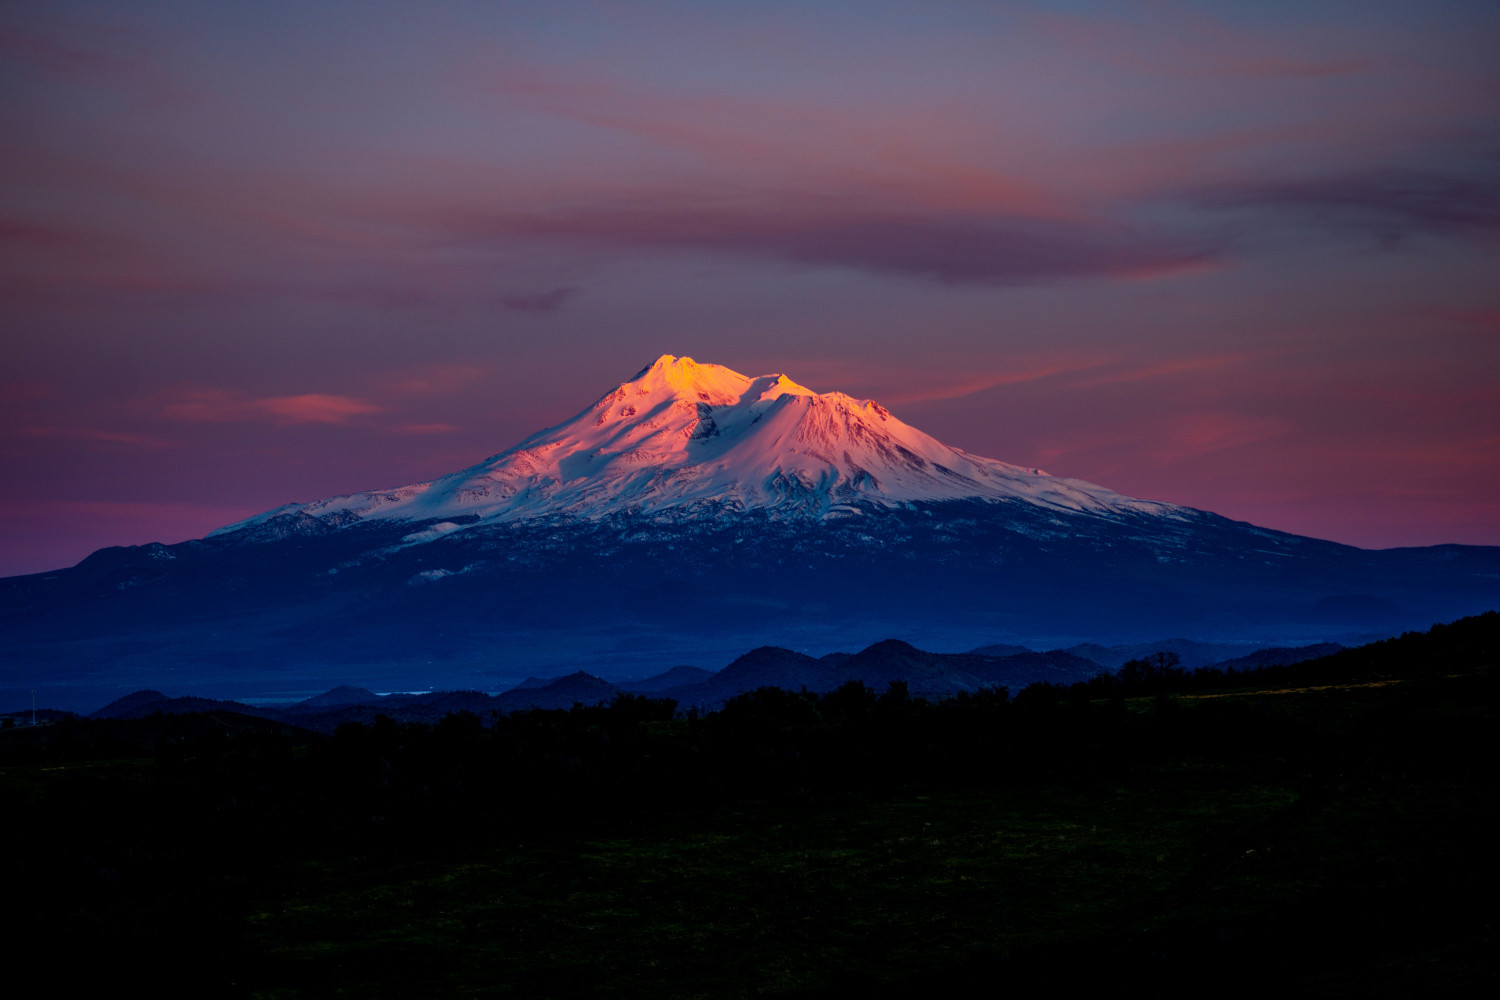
1242,257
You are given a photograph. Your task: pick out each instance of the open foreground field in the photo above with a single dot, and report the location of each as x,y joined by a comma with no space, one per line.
1334,838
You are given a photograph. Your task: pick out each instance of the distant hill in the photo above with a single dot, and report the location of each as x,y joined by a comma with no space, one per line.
677,677
1001,649
342,695
1192,654
1279,655
576,688
124,707
143,703
926,674
877,666
766,666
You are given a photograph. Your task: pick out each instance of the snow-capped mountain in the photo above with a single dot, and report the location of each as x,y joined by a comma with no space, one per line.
700,439
689,514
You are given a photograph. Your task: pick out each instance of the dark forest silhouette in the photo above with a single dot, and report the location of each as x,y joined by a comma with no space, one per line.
148,841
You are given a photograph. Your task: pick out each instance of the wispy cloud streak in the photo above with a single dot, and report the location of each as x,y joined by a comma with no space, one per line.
955,249
539,302
219,406
1390,204
98,436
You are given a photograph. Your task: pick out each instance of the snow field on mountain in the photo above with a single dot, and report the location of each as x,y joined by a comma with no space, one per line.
702,439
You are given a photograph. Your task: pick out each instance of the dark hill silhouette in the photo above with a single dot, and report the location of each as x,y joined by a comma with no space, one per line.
433,705
880,665
1190,653
576,688
428,707
677,677
765,666
1002,649
134,707
1016,671
934,675
939,674
120,707
1279,655
344,694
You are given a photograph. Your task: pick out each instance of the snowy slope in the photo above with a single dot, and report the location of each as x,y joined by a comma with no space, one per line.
698,439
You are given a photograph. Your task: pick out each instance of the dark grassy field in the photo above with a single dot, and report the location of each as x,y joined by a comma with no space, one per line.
1337,840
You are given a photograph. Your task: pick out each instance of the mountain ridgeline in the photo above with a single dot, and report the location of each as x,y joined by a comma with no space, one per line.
886,666
688,514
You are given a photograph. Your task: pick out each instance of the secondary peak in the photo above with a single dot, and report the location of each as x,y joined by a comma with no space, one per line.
686,378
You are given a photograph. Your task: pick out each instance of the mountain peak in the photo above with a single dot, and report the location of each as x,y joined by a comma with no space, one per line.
703,440
691,381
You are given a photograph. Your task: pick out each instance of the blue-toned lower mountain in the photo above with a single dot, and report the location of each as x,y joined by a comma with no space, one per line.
689,514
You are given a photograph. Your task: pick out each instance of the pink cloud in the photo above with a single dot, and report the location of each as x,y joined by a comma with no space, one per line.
116,59
1088,370
63,243
540,302
1389,204
429,381
916,156
1194,44
24,389
315,408
219,406
99,436
1474,317
801,227
1161,369
1159,442
1194,434
906,393
76,62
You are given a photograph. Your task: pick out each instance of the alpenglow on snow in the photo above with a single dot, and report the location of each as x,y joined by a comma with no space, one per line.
693,440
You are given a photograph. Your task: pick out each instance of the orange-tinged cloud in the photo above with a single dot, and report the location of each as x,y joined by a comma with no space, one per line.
315,408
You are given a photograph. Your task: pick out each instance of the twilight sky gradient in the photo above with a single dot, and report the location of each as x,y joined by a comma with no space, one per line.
1242,257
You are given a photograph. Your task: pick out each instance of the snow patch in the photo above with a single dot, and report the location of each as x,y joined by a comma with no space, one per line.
429,576
432,532
684,440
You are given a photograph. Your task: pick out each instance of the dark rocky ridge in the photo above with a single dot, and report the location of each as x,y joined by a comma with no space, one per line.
235,614
925,674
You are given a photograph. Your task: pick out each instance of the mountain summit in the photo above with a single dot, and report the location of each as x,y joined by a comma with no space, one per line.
689,514
702,439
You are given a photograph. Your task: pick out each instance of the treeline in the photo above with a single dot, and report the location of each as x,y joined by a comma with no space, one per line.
1460,647
542,771
134,832
166,842
559,769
